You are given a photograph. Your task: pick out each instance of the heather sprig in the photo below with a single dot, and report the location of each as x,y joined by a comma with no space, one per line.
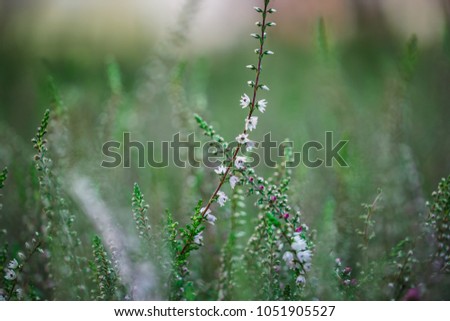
105,275
191,239
347,284
402,262
246,101
3,177
58,234
231,251
368,231
439,224
14,287
141,219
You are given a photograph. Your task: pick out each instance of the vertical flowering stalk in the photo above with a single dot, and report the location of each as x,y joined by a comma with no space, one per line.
105,275
439,225
3,176
250,121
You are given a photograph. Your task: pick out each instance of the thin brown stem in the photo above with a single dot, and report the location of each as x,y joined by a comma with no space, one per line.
252,107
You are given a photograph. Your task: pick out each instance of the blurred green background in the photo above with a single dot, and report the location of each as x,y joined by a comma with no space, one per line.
361,74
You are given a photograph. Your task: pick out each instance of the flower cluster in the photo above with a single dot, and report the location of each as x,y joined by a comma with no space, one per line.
299,258
344,275
10,273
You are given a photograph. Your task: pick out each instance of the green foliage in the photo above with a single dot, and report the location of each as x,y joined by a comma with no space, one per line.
322,39
402,263
55,97
208,129
368,232
257,246
409,59
3,176
105,274
140,214
39,141
438,221
114,76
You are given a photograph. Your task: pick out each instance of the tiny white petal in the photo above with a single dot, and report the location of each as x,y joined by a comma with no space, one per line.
288,257
13,264
10,275
264,87
261,105
250,145
240,162
301,279
250,123
220,170
211,219
222,198
198,239
233,181
245,101
307,267
304,256
299,244
242,138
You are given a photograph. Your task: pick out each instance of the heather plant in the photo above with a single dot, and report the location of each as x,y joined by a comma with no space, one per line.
438,222
231,231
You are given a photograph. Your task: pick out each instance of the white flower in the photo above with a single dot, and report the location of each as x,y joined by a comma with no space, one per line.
220,170
242,138
299,244
250,123
222,198
304,256
198,239
240,162
269,52
307,267
261,105
13,264
250,145
264,87
233,181
19,293
211,219
288,257
301,279
10,274
245,101
21,256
